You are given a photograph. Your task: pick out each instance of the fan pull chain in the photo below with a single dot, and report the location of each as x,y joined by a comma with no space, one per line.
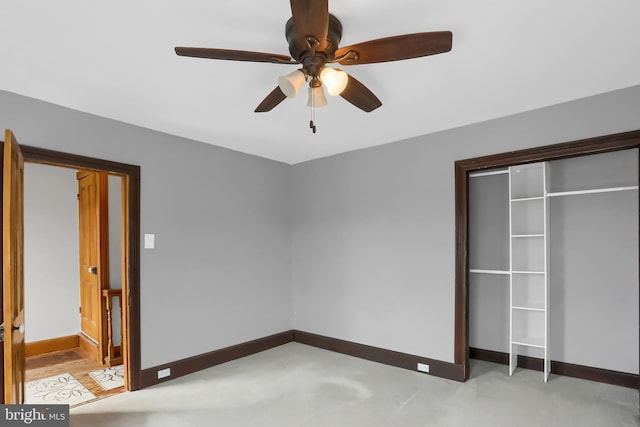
312,125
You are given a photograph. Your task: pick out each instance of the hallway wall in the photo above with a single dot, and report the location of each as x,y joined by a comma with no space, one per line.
51,277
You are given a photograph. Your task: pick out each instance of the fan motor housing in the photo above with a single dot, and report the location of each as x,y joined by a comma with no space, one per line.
298,51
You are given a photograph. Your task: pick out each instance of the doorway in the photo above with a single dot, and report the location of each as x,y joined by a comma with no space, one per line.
73,282
130,176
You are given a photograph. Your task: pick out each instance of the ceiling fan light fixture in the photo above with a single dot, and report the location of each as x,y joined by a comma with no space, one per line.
313,35
334,79
291,83
316,97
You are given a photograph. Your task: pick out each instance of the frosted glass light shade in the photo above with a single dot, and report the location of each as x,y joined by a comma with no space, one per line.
291,83
334,79
316,97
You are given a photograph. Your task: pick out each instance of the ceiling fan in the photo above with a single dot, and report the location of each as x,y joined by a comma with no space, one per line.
314,35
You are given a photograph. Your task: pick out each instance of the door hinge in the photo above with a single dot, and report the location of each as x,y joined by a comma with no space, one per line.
78,196
80,309
2,332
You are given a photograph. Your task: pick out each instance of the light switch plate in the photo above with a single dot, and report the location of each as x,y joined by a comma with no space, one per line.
149,241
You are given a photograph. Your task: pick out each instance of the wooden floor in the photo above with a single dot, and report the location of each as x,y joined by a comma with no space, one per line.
74,362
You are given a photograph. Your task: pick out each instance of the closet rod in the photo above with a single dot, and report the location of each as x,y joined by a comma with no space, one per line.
477,270
597,190
487,173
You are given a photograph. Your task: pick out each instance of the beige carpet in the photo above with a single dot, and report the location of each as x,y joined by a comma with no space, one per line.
299,386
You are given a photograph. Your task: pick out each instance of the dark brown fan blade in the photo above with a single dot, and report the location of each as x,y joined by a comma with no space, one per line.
358,94
233,55
311,18
396,48
271,101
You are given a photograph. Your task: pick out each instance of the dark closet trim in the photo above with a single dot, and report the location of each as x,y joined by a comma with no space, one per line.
603,144
132,172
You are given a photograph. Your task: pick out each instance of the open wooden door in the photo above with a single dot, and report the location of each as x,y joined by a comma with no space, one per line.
13,270
93,219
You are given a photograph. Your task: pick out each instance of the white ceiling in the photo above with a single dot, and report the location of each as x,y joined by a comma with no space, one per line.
116,59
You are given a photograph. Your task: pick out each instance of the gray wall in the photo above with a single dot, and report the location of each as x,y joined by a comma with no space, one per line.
488,206
220,273
374,231
593,262
489,250
51,277
364,241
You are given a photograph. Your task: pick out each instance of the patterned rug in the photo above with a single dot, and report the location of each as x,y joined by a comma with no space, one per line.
109,378
58,389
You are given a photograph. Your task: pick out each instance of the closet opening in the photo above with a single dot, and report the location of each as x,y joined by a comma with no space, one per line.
525,233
